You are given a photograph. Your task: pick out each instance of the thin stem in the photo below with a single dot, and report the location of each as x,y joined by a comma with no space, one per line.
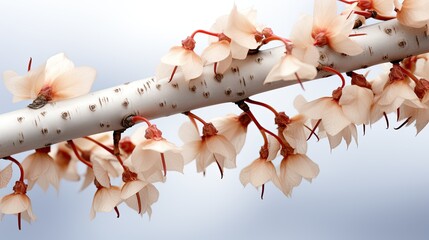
76,152
329,69
409,74
264,130
276,38
262,104
29,64
313,131
21,169
111,151
139,202
403,124
191,115
263,191
172,73
348,2
164,166
204,32
137,119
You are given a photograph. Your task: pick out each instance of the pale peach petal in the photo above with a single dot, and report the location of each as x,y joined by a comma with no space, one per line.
193,67
303,165
216,52
396,94
258,173
224,65
100,174
356,103
5,175
139,135
106,199
160,146
56,66
231,128
177,56
131,188
73,83
14,203
413,13
343,44
295,136
88,178
324,13
333,118
144,159
237,51
188,132
220,145
191,150
288,178
383,7
174,161
301,32
240,29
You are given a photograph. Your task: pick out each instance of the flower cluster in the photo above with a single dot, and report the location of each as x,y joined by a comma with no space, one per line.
143,159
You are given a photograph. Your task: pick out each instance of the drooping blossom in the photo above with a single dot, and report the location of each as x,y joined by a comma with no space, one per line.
418,115
328,28
413,13
209,148
105,199
236,50
148,195
234,128
157,151
293,168
40,168
291,68
241,28
17,203
395,92
218,52
57,79
262,170
181,58
381,7
66,163
293,131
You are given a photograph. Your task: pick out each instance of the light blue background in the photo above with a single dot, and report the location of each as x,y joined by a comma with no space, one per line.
379,190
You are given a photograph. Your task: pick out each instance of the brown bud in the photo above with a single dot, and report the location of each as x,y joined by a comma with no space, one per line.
336,94
422,86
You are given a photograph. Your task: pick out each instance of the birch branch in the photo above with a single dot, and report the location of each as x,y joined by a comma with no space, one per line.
101,111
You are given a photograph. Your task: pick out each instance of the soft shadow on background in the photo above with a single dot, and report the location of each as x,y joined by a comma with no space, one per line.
377,190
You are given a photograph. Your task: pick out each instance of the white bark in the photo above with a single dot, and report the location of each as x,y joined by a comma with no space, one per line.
104,110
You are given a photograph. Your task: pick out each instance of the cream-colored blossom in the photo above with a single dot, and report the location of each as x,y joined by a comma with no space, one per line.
40,168
17,203
207,149
262,170
293,168
57,79
183,58
157,151
242,29
413,13
291,68
105,200
234,128
328,28
397,91
295,135
148,195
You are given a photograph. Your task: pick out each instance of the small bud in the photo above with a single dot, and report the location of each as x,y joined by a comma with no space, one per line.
188,43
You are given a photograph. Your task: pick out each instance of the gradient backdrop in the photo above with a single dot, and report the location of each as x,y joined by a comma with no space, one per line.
378,190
